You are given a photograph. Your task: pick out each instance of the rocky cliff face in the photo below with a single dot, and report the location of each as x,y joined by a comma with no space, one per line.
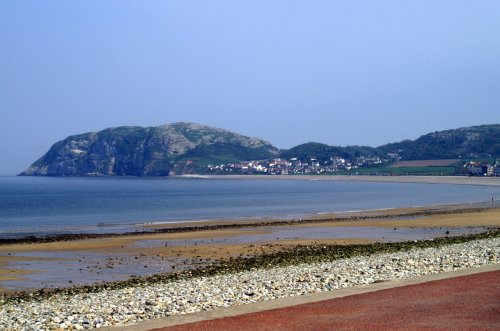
153,151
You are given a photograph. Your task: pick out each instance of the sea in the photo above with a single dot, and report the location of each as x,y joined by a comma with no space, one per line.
58,205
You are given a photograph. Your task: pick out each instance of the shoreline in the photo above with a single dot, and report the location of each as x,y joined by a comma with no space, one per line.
306,270
223,318
178,247
456,180
116,224
157,228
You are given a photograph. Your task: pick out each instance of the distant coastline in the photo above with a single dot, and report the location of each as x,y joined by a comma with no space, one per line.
189,148
458,180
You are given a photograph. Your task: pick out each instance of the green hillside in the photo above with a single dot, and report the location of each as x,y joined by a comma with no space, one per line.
470,142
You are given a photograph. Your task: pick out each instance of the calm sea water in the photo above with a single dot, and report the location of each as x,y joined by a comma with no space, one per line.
43,205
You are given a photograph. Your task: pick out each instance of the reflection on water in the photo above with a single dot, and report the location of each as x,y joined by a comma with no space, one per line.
68,268
65,269
296,233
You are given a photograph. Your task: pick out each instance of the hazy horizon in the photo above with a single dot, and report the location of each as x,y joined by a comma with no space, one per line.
335,72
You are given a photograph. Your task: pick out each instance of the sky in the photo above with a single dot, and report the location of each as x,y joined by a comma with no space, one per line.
339,72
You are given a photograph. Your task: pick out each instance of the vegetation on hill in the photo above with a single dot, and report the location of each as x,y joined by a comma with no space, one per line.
323,152
470,142
182,148
156,151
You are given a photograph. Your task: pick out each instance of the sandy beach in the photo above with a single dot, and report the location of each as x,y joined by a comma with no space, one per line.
31,265
123,280
457,180
28,265
140,303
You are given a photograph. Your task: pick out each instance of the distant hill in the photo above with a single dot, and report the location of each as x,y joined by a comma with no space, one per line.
153,151
469,142
183,148
323,152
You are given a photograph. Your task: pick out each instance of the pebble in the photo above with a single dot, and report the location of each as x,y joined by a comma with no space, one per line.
132,305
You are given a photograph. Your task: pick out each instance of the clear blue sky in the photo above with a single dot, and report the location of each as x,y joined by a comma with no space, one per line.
337,72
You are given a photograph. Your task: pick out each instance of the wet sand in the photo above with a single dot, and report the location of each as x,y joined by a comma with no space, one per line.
221,251
381,218
360,218
10,274
108,244
471,219
460,180
75,262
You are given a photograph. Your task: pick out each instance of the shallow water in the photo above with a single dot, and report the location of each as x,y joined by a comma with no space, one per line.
297,233
41,205
67,268
50,205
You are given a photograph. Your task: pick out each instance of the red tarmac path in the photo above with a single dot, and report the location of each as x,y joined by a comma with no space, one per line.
461,303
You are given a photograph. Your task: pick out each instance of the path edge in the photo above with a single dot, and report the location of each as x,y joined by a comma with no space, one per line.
295,300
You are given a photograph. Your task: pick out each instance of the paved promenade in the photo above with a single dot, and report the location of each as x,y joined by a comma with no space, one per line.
470,302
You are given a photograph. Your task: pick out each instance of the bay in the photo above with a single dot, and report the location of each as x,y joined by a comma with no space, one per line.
54,205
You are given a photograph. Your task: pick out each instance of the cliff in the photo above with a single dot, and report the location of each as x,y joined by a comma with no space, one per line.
152,151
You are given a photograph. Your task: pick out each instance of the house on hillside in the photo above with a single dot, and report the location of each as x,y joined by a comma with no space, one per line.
497,172
490,170
476,171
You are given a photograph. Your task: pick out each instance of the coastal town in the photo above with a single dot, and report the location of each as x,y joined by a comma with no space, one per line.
294,165
358,165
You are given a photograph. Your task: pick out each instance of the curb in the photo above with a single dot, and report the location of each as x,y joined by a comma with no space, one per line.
293,301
